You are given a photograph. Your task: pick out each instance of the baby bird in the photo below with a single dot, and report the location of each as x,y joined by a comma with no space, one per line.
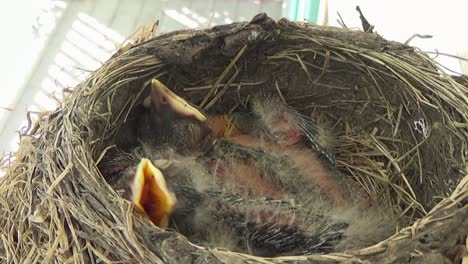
255,181
171,120
181,194
276,128
273,121
241,149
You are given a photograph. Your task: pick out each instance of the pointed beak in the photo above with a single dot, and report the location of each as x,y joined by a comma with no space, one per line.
151,195
162,97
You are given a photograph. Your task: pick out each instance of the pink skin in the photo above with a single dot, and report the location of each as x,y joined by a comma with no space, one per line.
289,137
219,124
287,128
304,160
245,178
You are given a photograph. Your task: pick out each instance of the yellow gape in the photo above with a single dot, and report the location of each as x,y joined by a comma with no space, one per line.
151,195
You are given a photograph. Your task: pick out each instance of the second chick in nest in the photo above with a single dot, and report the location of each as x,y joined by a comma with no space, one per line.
252,167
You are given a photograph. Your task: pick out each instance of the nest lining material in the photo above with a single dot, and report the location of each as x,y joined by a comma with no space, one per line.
373,94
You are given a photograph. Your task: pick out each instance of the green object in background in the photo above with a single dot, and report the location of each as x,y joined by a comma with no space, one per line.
303,10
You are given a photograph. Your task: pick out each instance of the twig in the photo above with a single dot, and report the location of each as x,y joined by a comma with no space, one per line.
416,36
341,21
366,26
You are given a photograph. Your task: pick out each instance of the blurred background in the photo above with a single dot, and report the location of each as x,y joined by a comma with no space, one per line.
51,45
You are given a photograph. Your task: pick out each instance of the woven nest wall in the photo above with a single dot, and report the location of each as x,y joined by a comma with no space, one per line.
400,128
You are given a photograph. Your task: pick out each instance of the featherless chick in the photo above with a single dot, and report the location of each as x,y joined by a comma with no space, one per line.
181,194
274,127
242,156
271,120
289,145
171,120
257,180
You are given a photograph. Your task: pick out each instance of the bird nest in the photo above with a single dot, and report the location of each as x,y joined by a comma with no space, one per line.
399,127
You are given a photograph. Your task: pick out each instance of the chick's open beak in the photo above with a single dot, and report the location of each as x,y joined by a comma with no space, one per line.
162,97
151,195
